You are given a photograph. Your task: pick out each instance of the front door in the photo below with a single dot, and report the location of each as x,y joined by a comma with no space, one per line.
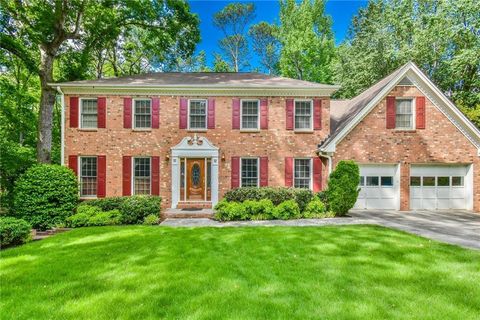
195,179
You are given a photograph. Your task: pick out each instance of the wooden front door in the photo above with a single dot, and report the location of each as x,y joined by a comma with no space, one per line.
195,179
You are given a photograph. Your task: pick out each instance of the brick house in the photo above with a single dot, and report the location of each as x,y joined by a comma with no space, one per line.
190,137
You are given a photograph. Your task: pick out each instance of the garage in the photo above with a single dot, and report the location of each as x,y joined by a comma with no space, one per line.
435,187
379,187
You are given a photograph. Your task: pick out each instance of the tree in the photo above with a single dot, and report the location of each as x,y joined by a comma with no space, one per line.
266,45
305,34
41,32
232,21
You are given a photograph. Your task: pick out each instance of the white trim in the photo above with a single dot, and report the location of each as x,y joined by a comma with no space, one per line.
206,115
414,113
258,170
132,168
134,127
80,123
258,114
310,170
295,111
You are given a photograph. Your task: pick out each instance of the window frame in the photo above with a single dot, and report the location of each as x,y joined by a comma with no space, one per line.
80,109
310,128
414,123
310,187
134,113
258,170
80,176
206,115
133,174
258,114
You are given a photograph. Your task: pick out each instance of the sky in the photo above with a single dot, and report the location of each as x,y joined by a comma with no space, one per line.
341,12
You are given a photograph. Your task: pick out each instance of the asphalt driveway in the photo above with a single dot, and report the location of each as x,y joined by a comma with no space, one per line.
455,227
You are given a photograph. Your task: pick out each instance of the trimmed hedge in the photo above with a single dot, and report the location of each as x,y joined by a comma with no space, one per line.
14,231
45,195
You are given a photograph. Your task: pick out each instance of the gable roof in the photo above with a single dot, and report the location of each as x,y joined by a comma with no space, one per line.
351,112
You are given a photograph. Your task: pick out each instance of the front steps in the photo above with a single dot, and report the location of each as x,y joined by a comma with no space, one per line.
187,214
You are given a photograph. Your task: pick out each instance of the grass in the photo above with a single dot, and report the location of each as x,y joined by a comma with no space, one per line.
141,272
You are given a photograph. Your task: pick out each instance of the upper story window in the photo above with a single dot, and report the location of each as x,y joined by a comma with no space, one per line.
250,115
197,114
249,169
141,176
404,114
142,114
302,173
88,176
303,115
88,113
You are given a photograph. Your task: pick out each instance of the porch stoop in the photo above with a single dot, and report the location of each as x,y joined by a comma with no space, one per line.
184,214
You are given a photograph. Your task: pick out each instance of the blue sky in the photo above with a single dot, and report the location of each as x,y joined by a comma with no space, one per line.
341,12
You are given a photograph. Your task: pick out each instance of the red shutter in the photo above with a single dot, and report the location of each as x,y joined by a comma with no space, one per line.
102,112
288,171
235,172
127,175
420,111
264,114
183,113
289,114
235,113
155,176
317,174
101,176
155,113
390,112
263,171
317,114
211,113
73,112
73,164
127,113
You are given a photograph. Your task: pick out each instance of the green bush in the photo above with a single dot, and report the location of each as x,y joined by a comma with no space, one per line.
342,190
94,216
315,209
151,219
275,194
287,210
45,195
13,231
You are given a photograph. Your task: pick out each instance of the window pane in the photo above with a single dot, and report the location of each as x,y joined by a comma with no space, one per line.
429,181
386,181
88,176
143,114
249,173
303,114
198,114
249,114
443,181
89,113
141,174
404,114
302,173
457,181
415,181
372,181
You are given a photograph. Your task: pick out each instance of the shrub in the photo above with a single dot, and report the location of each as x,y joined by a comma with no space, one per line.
342,190
13,231
287,210
151,219
45,195
315,209
106,218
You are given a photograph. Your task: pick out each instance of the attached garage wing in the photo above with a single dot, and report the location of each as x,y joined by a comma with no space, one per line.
379,187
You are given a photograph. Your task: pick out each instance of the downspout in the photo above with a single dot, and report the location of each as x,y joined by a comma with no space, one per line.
62,127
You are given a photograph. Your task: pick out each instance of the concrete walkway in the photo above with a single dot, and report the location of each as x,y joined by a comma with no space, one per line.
455,227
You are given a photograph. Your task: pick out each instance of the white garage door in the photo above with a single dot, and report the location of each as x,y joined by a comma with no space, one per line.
379,187
440,187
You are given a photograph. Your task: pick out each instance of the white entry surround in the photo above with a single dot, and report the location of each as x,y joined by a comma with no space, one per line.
194,147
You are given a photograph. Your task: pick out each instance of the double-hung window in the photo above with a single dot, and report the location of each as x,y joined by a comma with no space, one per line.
250,117
302,173
249,169
142,114
88,113
88,176
141,176
198,114
404,114
303,115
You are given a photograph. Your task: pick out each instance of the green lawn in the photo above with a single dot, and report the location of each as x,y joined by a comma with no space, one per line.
142,272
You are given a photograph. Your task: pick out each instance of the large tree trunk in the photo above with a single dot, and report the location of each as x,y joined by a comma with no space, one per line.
47,100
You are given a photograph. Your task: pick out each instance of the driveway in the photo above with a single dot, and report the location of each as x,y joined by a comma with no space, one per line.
456,227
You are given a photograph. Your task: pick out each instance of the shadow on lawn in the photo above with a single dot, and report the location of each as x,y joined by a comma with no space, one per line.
308,272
